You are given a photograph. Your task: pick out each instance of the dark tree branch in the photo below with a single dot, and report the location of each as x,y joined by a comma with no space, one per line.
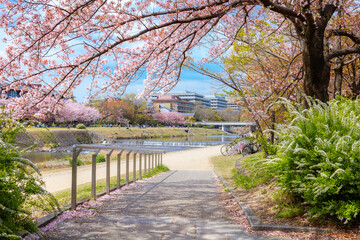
342,52
287,12
344,33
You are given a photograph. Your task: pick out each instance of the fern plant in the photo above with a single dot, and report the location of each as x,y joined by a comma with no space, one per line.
18,184
319,157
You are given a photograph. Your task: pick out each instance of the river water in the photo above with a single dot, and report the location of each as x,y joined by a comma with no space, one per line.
167,144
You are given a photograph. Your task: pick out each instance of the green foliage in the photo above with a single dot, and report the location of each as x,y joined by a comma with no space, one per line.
158,169
319,157
290,211
266,145
78,163
100,158
288,206
18,184
80,126
51,145
254,171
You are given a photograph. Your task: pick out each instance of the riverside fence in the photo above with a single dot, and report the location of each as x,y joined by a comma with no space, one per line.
146,161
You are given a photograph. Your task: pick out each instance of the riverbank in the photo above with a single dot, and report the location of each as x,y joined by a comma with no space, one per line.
48,138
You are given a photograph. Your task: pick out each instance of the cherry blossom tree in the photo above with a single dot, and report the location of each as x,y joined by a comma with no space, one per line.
76,112
169,118
69,41
48,111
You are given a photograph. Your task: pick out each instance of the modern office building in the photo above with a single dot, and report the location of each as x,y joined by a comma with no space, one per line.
233,103
193,98
173,102
209,101
234,106
217,102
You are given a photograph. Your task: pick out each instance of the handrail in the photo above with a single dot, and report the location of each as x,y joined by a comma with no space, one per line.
97,148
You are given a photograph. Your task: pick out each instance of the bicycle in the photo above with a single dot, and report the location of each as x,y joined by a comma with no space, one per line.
250,148
235,147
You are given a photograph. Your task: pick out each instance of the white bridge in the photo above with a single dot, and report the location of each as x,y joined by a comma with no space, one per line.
225,126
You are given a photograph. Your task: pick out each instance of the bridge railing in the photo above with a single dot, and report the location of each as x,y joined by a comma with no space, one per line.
148,160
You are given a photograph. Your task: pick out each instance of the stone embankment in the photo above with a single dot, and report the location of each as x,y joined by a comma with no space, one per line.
47,138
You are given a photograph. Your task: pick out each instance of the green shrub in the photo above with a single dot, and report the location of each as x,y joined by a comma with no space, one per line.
255,171
266,145
80,126
18,185
319,157
78,163
100,158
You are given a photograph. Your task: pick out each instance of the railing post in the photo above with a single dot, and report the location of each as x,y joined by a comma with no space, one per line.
155,160
145,163
118,166
93,175
161,158
152,159
127,167
149,166
108,171
74,177
134,167
140,170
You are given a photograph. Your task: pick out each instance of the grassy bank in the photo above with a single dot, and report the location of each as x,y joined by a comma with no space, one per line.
254,184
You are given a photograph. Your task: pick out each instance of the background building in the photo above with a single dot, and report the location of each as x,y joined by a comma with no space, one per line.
233,103
217,102
172,102
193,98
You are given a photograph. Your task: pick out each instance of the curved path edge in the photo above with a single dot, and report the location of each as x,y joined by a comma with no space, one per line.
257,225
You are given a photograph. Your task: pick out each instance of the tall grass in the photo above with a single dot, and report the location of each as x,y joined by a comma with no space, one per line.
319,157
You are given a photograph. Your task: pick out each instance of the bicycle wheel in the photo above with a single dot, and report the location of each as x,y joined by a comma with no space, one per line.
246,150
223,150
256,147
229,150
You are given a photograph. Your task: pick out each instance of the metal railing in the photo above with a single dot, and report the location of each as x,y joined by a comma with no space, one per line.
152,159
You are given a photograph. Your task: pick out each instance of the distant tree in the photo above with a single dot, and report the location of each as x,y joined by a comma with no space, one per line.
170,118
76,112
228,115
135,110
111,111
205,114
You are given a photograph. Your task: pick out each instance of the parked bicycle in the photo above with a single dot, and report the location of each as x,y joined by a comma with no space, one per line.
250,148
239,146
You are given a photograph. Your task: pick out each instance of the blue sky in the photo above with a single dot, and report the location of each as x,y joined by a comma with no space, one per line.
190,80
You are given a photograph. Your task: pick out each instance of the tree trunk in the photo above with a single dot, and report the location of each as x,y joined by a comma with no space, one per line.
338,78
317,72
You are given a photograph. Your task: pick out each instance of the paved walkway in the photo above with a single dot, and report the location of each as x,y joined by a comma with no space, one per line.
180,204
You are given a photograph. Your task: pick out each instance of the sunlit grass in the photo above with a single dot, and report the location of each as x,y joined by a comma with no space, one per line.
224,164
